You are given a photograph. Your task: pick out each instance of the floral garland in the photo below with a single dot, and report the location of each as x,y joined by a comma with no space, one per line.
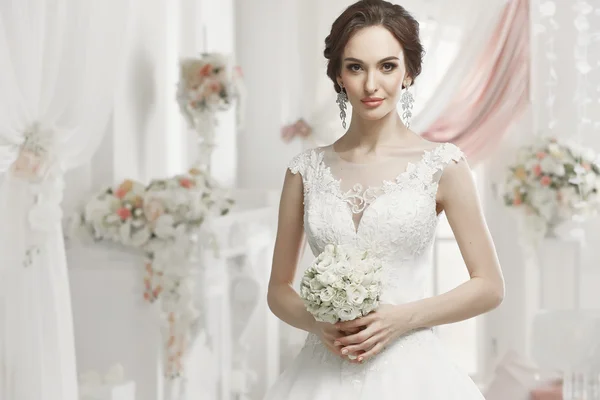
552,182
162,220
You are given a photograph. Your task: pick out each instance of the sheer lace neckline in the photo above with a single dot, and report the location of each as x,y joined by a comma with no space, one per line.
384,182
360,198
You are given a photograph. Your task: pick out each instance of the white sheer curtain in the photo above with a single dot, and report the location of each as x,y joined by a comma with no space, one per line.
453,33
60,61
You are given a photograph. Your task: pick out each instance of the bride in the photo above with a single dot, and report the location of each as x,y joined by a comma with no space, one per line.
380,187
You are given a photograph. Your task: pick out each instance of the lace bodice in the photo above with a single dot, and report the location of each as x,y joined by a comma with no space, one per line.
388,208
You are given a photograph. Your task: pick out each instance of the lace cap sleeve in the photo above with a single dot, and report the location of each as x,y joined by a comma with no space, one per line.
442,156
299,163
447,153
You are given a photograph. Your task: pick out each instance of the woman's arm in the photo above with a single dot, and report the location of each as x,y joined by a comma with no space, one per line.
484,290
457,193
283,300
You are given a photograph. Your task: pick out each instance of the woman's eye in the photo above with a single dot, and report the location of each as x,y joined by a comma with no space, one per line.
354,67
387,67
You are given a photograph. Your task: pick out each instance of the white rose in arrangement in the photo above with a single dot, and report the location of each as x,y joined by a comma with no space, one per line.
342,284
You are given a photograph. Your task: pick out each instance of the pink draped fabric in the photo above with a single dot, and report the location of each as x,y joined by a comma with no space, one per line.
495,93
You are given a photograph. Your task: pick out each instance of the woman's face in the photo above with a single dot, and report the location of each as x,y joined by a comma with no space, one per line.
373,71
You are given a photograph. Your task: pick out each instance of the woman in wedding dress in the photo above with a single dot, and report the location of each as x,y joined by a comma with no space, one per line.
380,187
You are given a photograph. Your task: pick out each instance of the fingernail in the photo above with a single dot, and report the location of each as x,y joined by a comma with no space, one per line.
360,359
345,351
336,343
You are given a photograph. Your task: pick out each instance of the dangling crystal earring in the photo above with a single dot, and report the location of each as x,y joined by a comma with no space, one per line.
342,99
407,100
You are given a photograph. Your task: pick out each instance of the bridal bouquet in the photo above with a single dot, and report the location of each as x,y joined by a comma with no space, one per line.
342,284
554,181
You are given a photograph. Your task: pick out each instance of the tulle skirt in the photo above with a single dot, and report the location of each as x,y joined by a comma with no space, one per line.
415,367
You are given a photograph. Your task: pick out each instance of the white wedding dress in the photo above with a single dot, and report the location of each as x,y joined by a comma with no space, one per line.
389,208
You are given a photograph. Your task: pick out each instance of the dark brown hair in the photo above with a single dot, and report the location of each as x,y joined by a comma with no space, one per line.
365,13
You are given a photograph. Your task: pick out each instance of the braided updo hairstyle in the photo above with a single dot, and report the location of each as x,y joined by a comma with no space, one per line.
365,13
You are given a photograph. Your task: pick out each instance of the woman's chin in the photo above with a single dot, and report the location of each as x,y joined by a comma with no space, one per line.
374,115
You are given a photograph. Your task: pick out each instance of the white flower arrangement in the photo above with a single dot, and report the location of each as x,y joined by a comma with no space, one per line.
162,220
552,182
207,84
342,284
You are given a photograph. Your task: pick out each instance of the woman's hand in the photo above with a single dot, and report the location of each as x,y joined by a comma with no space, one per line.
328,333
376,331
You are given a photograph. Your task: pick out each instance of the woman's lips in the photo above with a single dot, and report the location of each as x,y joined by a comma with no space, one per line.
372,102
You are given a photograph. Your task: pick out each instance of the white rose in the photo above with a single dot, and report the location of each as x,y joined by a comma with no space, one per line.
313,298
348,313
342,268
368,306
324,264
315,285
327,278
328,317
368,279
327,294
339,284
554,149
140,237
339,300
356,294
374,291
305,285
305,291
164,226
356,277
559,170
325,310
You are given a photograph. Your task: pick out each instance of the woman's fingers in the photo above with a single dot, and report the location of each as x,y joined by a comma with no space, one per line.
362,347
378,348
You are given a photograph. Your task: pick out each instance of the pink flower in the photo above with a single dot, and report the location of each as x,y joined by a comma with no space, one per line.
541,155
546,180
124,188
124,213
186,183
537,170
206,70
